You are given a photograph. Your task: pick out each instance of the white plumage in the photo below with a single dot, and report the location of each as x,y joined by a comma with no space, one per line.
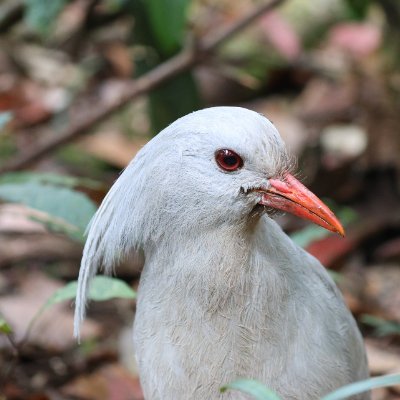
224,293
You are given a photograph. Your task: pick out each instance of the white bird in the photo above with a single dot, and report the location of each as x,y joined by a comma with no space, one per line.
224,292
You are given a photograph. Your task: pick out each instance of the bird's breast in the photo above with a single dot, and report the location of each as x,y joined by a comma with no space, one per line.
209,319
205,318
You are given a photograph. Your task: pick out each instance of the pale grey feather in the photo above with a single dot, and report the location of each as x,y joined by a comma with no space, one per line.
224,292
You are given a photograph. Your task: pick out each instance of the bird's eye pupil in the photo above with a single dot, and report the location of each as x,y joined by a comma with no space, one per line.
228,160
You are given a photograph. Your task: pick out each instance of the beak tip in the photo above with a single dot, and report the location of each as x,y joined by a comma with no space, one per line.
340,230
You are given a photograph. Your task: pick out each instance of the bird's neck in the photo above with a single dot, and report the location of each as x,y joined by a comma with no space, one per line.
222,267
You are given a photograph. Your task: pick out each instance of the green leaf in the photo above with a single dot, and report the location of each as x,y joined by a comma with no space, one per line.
357,9
308,235
115,5
4,327
5,117
105,288
60,226
41,14
172,100
167,19
102,288
311,233
252,387
381,326
8,146
363,386
49,178
337,277
261,392
70,206
347,215
79,159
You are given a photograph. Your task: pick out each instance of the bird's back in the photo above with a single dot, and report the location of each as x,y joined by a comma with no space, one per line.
324,348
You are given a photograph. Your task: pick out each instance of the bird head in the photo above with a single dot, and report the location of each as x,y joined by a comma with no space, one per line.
219,166
215,167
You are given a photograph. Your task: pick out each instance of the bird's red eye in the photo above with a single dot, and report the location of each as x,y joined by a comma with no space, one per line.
228,160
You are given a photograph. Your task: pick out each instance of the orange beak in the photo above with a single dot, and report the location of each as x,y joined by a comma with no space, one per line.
290,195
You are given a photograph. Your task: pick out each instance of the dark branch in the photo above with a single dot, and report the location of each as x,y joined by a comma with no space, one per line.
10,13
163,72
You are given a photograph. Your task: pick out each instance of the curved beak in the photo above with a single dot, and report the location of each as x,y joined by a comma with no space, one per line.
288,194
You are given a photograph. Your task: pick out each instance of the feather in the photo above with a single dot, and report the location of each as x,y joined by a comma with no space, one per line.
224,293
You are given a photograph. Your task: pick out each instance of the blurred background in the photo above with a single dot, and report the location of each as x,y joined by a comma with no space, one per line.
84,84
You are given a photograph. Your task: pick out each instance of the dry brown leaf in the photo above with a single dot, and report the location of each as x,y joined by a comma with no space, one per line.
54,328
381,290
111,382
356,39
44,247
113,147
325,101
280,112
120,58
16,218
382,361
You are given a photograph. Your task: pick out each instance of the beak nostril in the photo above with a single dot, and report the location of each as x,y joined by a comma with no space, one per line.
280,185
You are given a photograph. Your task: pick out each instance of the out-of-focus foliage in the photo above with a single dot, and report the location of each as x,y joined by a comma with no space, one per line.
319,70
49,178
173,100
261,392
363,386
41,15
169,36
102,288
381,326
5,328
4,118
311,233
357,9
68,211
160,25
254,388
179,96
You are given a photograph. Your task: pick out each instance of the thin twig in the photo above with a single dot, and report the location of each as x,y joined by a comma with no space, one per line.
212,41
10,13
7,372
10,366
165,71
13,344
